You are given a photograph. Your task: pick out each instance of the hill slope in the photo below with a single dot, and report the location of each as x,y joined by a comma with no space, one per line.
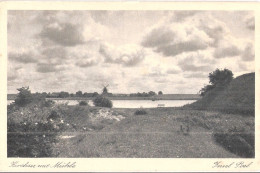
237,97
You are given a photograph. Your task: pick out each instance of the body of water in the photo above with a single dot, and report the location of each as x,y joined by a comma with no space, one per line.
132,103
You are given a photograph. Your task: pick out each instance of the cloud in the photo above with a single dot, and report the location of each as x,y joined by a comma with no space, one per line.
156,74
182,15
107,17
242,66
213,27
196,75
175,49
127,55
228,51
250,22
161,80
188,64
22,57
175,39
55,53
173,71
12,75
64,34
47,68
86,63
81,50
248,54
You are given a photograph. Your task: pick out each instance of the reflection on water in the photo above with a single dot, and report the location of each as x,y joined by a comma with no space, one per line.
132,103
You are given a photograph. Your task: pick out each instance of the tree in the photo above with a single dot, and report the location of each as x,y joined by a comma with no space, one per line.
85,94
63,94
205,89
79,94
151,93
95,94
24,96
218,78
44,94
160,93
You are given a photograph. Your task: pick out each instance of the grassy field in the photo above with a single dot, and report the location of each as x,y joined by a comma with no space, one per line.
157,134
83,131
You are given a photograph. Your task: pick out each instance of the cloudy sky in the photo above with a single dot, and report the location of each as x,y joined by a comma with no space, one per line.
133,51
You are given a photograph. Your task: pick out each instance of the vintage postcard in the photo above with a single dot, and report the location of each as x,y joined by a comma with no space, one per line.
129,86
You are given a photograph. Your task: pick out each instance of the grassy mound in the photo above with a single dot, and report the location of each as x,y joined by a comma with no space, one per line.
237,97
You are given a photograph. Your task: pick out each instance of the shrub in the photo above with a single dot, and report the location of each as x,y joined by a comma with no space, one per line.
37,143
24,96
102,101
140,112
54,116
48,103
83,103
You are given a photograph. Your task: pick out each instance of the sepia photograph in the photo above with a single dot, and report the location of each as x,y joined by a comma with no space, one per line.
130,84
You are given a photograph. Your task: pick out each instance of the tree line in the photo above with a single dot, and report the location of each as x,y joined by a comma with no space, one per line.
64,94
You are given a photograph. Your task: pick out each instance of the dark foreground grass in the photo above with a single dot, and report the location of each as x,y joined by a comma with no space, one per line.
237,142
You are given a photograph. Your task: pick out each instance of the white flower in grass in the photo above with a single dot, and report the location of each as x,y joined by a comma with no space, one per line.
67,124
36,123
24,123
61,121
84,128
51,120
43,136
22,113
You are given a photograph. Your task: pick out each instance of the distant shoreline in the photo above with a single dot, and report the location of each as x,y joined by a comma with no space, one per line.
157,97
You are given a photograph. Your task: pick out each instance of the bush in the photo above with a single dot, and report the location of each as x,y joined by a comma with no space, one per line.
83,103
48,103
140,112
54,116
37,143
102,101
24,96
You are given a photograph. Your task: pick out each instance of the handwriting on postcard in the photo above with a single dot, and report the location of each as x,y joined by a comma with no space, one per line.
17,164
240,164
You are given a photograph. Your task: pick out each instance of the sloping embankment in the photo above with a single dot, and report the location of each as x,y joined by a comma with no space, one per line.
237,97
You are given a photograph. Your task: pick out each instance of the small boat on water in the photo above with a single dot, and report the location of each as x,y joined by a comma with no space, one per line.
160,105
